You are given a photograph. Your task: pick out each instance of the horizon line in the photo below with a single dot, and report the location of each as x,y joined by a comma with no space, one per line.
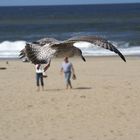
71,4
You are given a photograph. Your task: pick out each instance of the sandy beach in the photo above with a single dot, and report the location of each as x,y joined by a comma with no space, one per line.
104,103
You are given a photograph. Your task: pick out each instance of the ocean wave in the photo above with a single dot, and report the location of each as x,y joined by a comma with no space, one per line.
102,52
10,49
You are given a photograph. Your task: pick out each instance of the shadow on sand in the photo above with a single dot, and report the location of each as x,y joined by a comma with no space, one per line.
82,88
54,89
77,88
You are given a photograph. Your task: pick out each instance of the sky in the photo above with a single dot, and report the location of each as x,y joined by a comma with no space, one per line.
60,2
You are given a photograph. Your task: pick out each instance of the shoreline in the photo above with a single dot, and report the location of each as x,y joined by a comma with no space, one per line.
105,56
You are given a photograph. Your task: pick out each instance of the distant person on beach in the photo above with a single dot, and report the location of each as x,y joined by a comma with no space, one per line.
68,69
7,62
39,75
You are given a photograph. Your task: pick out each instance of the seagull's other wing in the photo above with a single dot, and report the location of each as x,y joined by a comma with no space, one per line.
99,42
39,54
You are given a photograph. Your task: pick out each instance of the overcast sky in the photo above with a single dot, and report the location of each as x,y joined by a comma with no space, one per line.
60,2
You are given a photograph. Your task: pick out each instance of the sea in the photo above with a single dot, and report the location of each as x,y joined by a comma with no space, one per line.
118,23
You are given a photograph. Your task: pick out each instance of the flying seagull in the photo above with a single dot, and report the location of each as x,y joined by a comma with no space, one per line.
41,51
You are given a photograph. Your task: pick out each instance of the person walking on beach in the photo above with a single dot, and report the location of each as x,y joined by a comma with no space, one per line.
39,75
68,69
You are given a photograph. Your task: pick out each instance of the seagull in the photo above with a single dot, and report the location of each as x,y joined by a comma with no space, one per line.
41,51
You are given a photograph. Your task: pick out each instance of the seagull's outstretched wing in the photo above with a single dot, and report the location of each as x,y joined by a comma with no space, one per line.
97,41
39,54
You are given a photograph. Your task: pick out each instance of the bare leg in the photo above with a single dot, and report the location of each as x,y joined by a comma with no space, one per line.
67,86
70,84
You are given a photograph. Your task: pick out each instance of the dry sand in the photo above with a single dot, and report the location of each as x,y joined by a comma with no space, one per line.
104,104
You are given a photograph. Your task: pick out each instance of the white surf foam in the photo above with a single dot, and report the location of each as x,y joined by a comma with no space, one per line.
10,49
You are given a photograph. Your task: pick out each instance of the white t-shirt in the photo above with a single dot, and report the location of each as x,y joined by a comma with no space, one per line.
40,70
